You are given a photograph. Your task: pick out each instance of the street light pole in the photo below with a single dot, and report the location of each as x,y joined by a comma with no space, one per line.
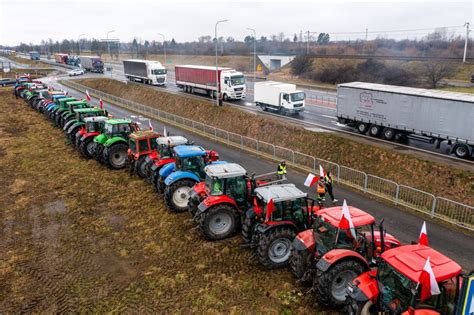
79,42
108,49
254,52
217,67
164,46
465,42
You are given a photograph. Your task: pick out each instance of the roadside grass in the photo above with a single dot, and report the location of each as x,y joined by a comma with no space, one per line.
80,238
469,90
404,169
30,62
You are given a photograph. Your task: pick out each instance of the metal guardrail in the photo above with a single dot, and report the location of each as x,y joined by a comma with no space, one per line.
437,207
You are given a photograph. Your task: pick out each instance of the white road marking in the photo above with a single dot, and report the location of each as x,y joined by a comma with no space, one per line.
331,117
249,104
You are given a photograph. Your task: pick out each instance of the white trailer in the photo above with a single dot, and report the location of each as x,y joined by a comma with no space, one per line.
390,111
280,97
144,71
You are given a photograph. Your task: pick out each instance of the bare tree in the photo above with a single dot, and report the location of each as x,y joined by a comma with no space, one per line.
434,72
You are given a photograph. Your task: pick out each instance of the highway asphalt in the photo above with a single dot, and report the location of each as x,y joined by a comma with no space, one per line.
404,224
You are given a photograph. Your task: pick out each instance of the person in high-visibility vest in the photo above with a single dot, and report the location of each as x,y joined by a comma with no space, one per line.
321,191
328,184
281,170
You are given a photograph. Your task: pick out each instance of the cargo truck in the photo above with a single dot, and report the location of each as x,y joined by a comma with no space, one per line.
145,71
34,55
91,64
392,111
280,97
61,58
202,79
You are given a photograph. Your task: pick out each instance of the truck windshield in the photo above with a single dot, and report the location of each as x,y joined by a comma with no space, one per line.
159,71
237,80
296,97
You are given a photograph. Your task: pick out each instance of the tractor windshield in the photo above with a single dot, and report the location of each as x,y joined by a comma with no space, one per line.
395,288
165,150
328,234
132,144
143,145
215,186
192,164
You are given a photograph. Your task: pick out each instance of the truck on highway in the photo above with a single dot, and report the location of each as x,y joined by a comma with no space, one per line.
392,112
34,55
61,58
91,64
202,79
280,97
145,71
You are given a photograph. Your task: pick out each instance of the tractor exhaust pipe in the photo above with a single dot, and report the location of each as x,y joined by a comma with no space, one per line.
382,239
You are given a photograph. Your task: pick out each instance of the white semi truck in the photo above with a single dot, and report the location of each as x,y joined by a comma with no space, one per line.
280,97
389,111
145,71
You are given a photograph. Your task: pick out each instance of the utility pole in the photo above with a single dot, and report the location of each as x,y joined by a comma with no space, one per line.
307,44
366,33
108,49
465,42
79,42
217,66
164,46
254,53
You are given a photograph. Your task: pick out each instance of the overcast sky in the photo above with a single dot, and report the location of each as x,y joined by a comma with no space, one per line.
33,20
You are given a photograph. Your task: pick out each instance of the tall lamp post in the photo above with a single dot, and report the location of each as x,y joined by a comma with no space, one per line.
108,49
79,42
254,52
217,69
164,46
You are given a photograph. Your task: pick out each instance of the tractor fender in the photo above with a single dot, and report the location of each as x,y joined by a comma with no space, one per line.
336,255
179,175
100,138
166,170
304,240
88,135
162,162
75,124
114,140
268,226
69,123
364,287
68,115
215,200
421,312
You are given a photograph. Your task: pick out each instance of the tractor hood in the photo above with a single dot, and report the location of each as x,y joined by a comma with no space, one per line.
101,138
167,169
175,176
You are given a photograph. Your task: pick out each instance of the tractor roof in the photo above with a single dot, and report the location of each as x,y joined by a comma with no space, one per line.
77,102
88,110
173,140
189,150
95,119
58,96
333,216
117,121
229,170
144,134
67,99
409,260
281,192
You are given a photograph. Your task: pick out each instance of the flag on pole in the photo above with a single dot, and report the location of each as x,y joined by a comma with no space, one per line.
345,223
423,239
88,96
321,172
270,209
101,103
165,134
150,125
310,180
429,286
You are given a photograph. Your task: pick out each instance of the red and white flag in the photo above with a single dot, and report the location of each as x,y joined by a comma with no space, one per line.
310,180
345,223
88,96
321,172
429,286
423,239
165,134
101,103
150,125
270,209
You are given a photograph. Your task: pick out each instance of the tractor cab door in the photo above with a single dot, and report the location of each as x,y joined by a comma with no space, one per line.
143,146
122,130
236,188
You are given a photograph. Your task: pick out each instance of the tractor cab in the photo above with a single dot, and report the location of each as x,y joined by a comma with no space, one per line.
75,121
190,158
119,128
161,156
94,124
395,286
227,179
81,113
166,145
140,145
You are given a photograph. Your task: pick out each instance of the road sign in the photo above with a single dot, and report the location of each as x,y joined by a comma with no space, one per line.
468,303
259,68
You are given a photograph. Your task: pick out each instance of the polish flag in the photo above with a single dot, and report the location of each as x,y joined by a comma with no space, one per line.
429,286
165,134
270,209
423,239
345,223
321,172
310,180
150,125
101,103
88,96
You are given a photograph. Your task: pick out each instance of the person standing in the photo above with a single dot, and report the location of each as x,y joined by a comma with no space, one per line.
328,184
281,170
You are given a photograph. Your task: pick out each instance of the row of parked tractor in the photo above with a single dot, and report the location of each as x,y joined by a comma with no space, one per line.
361,269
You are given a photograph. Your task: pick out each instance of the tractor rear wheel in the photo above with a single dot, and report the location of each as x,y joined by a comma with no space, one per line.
72,135
140,167
177,195
115,156
300,261
274,247
247,229
219,222
87,148
331,285
159,184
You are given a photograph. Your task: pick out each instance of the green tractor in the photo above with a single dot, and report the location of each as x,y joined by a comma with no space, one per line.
74,122
111,146
68,111
59,103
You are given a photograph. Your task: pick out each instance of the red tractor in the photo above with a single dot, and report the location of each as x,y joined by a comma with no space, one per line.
140,145
84,137
394,287
227,193
278,214
331,257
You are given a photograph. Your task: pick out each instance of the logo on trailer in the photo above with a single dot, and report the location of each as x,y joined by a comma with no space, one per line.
366,99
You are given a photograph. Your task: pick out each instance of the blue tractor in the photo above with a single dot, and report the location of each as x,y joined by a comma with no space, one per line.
178,178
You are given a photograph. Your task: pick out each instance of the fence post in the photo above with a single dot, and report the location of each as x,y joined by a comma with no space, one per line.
293,156
241,141
433,207
366,182
258,146
397,193
228,137
274,150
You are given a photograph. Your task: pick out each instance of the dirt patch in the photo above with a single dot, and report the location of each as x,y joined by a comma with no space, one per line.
74,244
439,179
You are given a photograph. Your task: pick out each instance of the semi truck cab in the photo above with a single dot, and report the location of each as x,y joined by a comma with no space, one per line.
157,74
232,85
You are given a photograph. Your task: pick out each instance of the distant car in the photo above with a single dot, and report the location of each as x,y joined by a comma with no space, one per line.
7,81
75,72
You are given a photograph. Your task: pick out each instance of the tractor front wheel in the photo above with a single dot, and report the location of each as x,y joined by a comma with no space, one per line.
72,135
140,167
219,222
274,247
87,148
300,261
331,285
177,195
247,229
115,156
